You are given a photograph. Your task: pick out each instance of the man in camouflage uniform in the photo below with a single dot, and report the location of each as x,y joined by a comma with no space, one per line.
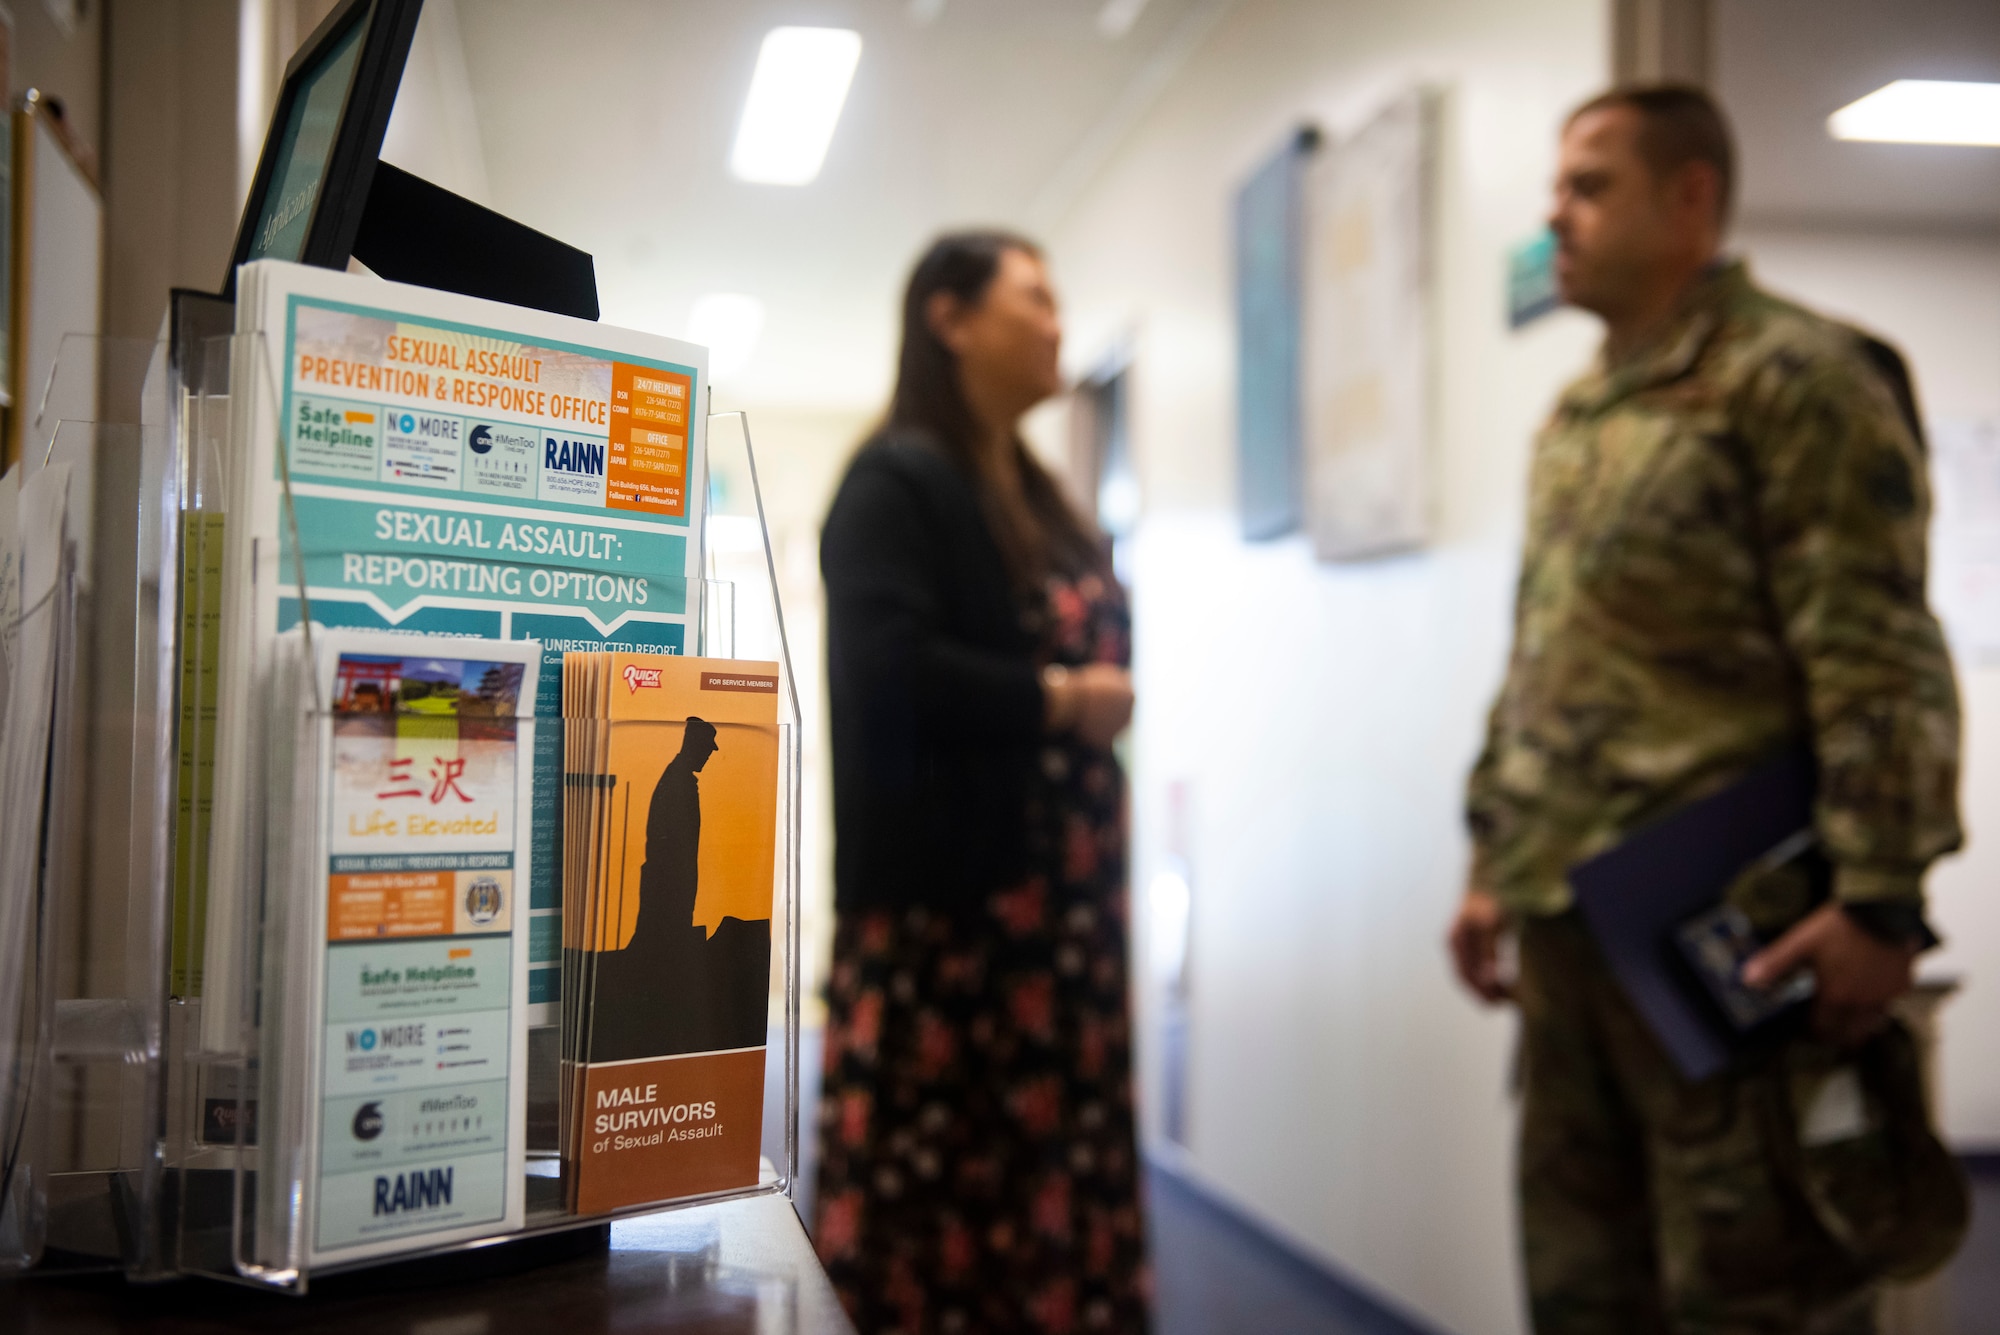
1725,556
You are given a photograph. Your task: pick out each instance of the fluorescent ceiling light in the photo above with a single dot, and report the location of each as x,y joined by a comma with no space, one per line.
1922,111
795,99
727,324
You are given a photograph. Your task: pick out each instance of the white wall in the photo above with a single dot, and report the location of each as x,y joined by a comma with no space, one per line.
1938,298
1323,716
433,131
801,456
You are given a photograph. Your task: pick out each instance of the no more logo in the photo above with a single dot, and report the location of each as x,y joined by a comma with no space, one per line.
388,1036
440,428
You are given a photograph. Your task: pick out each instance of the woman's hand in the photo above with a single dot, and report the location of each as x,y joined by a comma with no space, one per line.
1093,701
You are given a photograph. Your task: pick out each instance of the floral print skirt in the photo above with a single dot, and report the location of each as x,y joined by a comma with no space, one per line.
978,1168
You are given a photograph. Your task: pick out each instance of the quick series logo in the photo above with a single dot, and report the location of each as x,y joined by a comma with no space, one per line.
636,677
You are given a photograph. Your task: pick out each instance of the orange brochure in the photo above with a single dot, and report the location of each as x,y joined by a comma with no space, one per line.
671,917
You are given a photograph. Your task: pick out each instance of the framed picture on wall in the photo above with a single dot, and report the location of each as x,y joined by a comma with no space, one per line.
1100,465
1367,346
1269,235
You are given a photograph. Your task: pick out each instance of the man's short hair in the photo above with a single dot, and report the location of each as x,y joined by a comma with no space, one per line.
1678,124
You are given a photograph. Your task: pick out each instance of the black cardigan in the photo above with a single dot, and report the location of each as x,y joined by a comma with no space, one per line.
936,699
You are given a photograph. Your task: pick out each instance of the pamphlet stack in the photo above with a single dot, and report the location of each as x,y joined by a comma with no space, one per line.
669,898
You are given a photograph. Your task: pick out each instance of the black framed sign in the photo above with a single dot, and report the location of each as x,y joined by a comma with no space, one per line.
319,155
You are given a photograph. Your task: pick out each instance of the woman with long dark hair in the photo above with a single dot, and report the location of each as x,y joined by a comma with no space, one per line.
978,1170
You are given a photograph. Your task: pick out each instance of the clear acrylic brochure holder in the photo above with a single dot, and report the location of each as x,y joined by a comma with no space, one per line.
138,1097
82,1021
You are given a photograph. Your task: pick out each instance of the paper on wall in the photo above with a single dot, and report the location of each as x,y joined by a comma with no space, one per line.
1965,535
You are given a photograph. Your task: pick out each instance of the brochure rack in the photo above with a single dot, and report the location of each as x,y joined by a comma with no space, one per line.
81,1052
137,1077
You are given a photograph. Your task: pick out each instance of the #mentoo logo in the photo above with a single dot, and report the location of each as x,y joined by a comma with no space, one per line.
636,677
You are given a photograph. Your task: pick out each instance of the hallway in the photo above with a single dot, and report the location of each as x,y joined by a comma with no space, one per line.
1216,1272
1213,1272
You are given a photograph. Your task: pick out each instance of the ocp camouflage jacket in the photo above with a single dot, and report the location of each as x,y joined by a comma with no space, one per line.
1725,554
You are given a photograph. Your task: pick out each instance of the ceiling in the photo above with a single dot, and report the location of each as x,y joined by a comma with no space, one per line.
1782,66
608,123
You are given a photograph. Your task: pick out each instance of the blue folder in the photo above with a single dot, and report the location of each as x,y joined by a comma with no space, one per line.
1635,895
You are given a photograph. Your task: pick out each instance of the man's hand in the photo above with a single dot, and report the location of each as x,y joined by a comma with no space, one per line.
1858,974
1474,942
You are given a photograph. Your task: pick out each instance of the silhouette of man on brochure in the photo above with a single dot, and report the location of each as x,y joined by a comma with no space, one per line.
673,988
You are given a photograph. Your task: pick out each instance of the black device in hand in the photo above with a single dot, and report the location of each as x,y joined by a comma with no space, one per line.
1715,945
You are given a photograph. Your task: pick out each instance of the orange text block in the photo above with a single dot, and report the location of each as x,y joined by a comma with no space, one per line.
647,467
378,904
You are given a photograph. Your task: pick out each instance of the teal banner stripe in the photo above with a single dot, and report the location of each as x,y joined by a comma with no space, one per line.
406,551
481,623
545,939
544,985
